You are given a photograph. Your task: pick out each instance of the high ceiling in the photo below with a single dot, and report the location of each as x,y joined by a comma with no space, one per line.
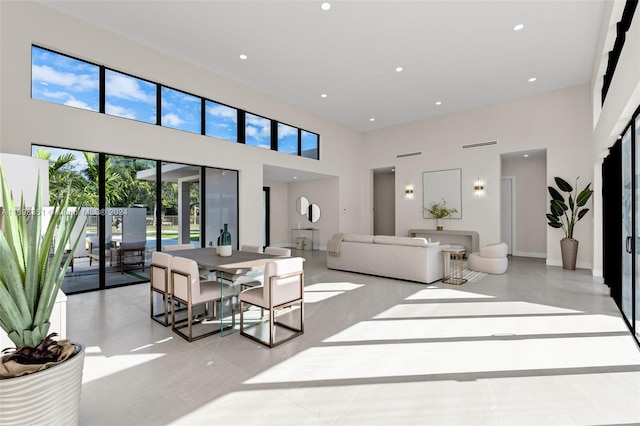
464,54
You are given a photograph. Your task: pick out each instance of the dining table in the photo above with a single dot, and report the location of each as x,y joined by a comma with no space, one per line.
228,270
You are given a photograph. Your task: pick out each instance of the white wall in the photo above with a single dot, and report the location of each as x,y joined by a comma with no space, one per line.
324,193
25,121
558,121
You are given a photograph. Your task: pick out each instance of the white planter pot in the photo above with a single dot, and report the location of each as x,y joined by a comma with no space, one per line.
45,397
224,251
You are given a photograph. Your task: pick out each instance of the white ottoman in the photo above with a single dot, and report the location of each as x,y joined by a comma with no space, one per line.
491,259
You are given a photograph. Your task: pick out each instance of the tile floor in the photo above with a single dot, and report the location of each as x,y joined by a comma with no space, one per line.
535,346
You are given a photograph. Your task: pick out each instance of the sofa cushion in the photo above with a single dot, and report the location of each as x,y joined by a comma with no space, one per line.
357,238
400,241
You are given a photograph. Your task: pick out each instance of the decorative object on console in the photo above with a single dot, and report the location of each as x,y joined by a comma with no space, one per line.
224,242
440,211
566,216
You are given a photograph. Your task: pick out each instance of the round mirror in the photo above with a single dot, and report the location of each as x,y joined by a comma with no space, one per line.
314,213
302,205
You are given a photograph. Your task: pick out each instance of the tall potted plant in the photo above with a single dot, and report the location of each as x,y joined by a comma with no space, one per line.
40,379
565,214
440,211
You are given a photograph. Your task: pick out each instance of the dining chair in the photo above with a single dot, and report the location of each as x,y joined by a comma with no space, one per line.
278,251
192,291
160,279
173,247
251,248
283,288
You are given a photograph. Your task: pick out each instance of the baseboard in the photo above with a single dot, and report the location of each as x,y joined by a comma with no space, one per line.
529,254
579,265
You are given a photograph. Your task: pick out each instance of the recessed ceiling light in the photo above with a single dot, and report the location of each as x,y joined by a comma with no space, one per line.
526,155
325,6
439,103
243,57
324,95
372,119
295,177
518,27
532,79
399,69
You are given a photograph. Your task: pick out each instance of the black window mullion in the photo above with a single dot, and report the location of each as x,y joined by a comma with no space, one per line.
274,135
203,118
299,142
241,125
103,96
158,105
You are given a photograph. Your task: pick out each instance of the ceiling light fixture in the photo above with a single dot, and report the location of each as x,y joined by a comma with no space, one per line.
325,6
532,79
439,103
372,119
526,155
518,27
243,57
399,69
324,95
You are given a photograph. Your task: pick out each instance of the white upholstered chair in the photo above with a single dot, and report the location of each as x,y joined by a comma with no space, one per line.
283,288
491,259
189,289
278,251
173,247
251,248
160,278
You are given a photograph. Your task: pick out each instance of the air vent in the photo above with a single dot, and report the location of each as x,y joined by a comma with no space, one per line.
409,154
478,145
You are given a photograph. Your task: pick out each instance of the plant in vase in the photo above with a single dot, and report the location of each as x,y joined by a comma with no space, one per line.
565,215
440,211
34,263
224,242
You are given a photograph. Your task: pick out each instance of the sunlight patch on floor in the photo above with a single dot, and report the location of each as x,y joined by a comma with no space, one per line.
462,309
98,366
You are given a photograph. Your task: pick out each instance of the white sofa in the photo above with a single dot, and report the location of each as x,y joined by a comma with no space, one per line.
406,258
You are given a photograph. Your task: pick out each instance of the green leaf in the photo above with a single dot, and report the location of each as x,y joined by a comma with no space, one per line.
563,185
584,196
581,213
555,224
558,207
555,194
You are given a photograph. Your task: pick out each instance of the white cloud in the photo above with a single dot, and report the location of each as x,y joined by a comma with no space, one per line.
171,119
284,131
119,111
74,82
124,87
78,104
222,111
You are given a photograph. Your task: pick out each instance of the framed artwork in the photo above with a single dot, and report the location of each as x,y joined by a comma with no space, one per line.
441,185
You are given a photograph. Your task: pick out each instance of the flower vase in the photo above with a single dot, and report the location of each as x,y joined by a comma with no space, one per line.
439,226
225,242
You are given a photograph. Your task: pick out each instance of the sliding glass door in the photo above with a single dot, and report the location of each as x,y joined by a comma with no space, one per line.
636,245
627,228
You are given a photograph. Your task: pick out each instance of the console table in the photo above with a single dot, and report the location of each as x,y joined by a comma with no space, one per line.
311,233
468,239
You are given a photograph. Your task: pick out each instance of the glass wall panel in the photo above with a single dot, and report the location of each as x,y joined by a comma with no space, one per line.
180,204
63,80
180,110
627,231
222,205
130,201
257,131
221,121
310,143
130,97
74,171
287,139
637,229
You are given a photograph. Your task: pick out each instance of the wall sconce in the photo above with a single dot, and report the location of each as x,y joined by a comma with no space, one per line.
478,187
408,192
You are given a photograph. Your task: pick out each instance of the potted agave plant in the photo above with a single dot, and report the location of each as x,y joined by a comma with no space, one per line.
41,378
565,214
